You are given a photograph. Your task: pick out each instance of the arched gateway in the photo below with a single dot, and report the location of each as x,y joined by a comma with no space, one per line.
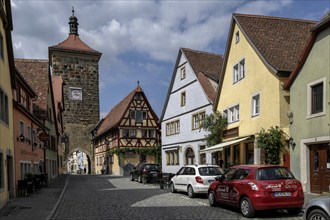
77,64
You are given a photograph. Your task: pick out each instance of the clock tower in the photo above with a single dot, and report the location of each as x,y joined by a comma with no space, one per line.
78,65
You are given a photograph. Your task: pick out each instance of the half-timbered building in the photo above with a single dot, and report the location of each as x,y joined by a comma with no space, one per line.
129,134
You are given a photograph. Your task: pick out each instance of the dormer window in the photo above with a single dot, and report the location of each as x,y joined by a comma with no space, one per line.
183,73
237,37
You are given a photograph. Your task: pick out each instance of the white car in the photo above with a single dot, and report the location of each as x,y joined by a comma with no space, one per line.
194,179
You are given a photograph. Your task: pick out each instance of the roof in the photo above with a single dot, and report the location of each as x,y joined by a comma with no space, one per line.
208,63
280,41
116,114
324,23
74,44
35,72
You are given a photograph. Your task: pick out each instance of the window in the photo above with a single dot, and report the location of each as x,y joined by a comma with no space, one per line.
172,157
316,98
23,98
183,73
1,47
29,134
4,110
237,37
239,71
183,99
138,116
147,133
173,128
202,156
132,133
21,128
138,96
256,105
197,120
125,132
232,114
1,171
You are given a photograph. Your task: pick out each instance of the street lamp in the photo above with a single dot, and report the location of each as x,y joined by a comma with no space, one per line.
107,142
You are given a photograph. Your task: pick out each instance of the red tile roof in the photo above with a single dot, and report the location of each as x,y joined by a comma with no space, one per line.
280,41
206,66
35,72
74,43
115,115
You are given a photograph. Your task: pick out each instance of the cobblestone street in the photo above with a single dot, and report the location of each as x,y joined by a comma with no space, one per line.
110,197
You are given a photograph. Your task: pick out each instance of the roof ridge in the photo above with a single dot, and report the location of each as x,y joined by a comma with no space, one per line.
275,18
31,60
200,51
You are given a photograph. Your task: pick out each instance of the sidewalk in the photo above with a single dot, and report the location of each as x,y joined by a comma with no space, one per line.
39,205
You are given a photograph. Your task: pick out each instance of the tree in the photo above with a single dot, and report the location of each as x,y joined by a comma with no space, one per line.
214,123
272,142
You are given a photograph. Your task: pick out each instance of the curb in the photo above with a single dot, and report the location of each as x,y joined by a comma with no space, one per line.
51,214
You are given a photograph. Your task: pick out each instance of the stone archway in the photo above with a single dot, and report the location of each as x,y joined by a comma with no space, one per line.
88,155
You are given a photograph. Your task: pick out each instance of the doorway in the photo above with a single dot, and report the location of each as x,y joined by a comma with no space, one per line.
319,168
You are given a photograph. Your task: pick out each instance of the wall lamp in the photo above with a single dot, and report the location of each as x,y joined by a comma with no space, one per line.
292,143
21,138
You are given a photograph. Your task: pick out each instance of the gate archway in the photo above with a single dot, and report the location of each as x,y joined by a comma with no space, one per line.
89,157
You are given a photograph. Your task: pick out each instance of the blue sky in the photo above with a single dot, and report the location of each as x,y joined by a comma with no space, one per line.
140,39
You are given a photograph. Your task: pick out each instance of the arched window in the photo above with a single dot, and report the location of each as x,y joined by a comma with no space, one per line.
190,156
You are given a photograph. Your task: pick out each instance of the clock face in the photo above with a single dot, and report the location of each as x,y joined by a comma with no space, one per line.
76,94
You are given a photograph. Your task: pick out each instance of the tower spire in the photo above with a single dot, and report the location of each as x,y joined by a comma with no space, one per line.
73,23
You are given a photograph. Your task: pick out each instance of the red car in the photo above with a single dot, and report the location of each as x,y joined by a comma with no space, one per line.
257,187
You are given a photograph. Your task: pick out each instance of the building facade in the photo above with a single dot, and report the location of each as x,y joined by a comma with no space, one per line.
7,83
251,95
128,135
29,150
310,112
189,99
77,64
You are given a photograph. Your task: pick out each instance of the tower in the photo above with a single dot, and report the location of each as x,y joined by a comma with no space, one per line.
77,64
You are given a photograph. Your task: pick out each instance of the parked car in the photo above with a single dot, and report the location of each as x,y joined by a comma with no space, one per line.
146,172
257,187
194,179
317,209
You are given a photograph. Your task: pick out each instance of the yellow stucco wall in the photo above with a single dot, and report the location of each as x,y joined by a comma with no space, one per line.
6,131
258,80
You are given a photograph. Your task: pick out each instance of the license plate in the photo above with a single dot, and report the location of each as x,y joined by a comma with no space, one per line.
282,194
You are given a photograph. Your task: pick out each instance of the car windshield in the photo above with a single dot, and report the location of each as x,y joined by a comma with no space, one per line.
273,173
209,171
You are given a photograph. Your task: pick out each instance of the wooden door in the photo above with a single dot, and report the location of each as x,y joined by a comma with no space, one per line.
320,168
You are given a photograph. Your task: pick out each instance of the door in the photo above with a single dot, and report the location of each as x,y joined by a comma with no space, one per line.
320,168
225,186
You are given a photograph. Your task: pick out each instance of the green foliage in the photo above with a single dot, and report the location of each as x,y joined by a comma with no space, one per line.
214,123
272,142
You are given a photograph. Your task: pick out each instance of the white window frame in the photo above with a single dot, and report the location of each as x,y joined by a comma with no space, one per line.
309,98
255,105
233,114
183,99
239,70
237,37
183,72
173,128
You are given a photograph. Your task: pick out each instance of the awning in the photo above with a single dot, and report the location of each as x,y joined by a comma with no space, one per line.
219,147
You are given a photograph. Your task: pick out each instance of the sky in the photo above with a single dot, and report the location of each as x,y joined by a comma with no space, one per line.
140,39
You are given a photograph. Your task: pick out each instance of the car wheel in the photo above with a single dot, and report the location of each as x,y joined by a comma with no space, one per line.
317,214
140,179
132,178
191,193
246,207
212,200
294,211
172,188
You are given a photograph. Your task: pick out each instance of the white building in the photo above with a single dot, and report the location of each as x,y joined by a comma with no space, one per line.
190,97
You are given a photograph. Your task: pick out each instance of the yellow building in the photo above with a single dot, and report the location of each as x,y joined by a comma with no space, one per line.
260,54
7,74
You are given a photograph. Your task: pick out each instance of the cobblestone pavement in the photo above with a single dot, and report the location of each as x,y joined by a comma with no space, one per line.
110,197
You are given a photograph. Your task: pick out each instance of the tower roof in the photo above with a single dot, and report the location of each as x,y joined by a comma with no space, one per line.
73,43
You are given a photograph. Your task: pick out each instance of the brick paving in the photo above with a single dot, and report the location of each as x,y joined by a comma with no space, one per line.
111,197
